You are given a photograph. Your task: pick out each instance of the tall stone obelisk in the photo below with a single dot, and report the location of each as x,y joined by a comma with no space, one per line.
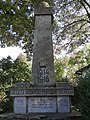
43,61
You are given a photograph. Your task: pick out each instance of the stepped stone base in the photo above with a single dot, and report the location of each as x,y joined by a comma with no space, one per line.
41,116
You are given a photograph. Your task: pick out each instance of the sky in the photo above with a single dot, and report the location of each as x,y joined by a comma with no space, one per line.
10,51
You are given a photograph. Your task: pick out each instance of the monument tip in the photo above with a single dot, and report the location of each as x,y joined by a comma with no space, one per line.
44,4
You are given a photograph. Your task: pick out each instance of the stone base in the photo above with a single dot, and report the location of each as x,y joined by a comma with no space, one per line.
61,104
43,116
42,99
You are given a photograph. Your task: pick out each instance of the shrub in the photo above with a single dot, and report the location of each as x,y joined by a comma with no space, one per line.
84,102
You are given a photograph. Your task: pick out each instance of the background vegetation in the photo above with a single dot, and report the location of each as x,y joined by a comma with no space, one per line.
11,72
84,98
71,38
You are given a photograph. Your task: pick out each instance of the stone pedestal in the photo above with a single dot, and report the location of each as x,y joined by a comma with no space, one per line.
29,99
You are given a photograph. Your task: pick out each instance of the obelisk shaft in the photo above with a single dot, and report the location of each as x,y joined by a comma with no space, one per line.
43,61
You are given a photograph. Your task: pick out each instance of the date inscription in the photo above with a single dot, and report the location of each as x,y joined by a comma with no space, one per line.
43,75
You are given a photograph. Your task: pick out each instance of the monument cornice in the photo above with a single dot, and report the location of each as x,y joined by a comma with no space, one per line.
43,11
42,91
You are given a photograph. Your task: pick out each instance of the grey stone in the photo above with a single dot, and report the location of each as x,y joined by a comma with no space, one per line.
43,61
43,91
44,4
24,85
64,104
41,104
20,105
41,116
63,84
43,11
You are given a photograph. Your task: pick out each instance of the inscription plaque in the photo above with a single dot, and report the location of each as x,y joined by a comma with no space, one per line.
63,104
20,105
41,104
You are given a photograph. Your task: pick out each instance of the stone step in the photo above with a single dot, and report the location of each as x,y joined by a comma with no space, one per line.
44,116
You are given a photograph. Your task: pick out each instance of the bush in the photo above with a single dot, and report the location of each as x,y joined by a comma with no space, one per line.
12,72
84,103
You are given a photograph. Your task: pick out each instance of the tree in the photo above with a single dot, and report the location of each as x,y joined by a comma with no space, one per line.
22,69
60,73
17,23
72,24
66,67
11,72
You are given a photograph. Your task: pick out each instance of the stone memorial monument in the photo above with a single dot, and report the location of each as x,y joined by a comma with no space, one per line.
43,96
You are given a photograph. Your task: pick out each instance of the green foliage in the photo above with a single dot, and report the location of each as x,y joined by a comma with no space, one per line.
11,72
84,98
6,102
60,74
22,67
72,18
67,66
77,61
36,3
16,23
73,23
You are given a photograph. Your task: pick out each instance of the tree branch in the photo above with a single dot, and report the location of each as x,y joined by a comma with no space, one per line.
82,2
64,5
87,3
80,28
74,22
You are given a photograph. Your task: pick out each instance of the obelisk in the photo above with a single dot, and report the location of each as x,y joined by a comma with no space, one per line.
43,61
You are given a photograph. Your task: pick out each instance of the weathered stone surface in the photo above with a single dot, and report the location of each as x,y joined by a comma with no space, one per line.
64,104
44,5
43,62
44,11
23,85
63,84
43,91
42,116
41,104
20,105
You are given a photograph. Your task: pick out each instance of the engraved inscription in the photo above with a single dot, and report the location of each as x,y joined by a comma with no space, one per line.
43,75
42,104
42,91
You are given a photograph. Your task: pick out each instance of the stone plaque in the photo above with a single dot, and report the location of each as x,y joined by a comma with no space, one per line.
64,104
41,104
20,105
